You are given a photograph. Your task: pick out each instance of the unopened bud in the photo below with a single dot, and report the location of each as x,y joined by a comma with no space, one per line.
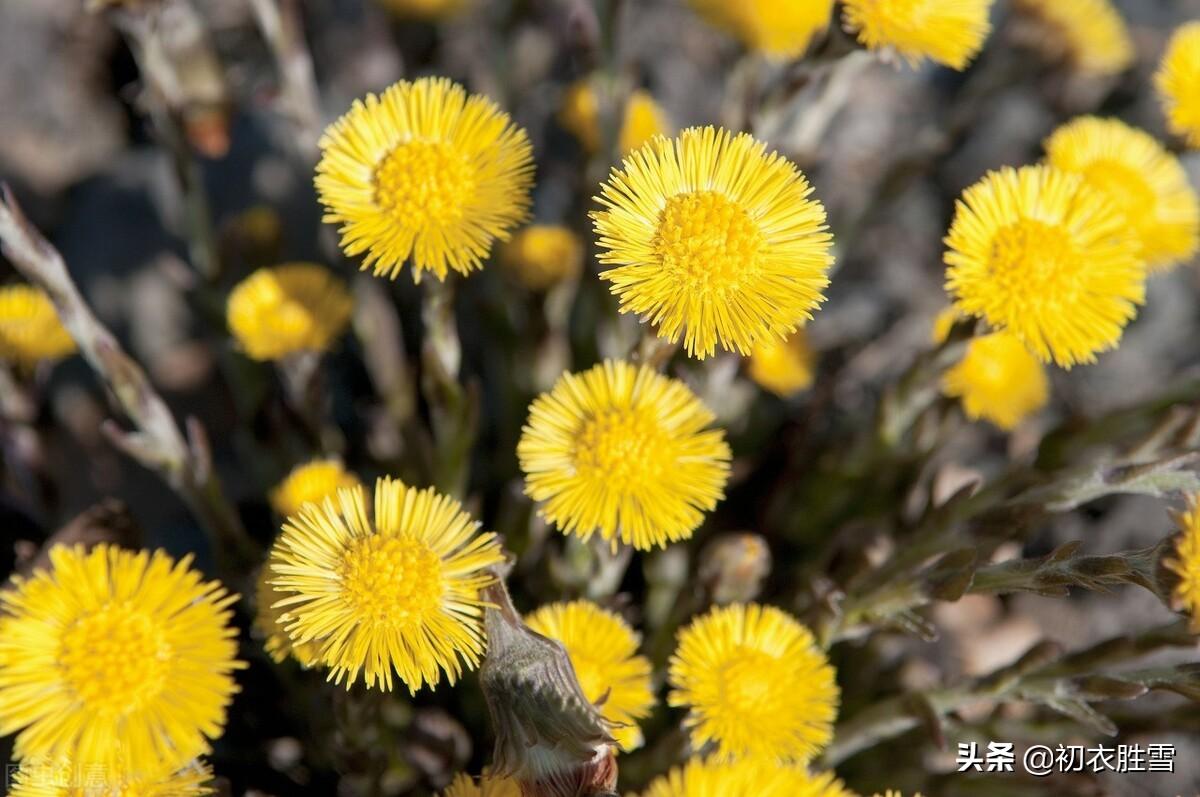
733,567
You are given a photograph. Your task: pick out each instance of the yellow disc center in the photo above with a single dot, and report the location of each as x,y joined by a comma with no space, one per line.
392,581
114,658
707,243
751,682
424,183
1034,260
622,446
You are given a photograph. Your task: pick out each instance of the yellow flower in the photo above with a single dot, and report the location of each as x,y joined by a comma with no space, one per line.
41,777
487,786
950,32
998,380
288,309
783,367
754,683
543,255
424,171
1047,258
312,481
116,659
29,327
399,592
269,625
644,119
1186,562
431,10
710,236
579,114
1134,171
894,793
1090,33
603,651
623,451
780,29
1178,83
746,777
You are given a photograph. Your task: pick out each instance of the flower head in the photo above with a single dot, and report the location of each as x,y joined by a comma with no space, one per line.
288,309
312,481
116,659
950,32
1090,34
424,171
29,327
396,591
623,451
487,786
269,622
708,236
603,652
746,777
1185,563
579,114
1039,254
1178,82
781,29
42,777
644,119
783,367
754,683
543,255
1136,173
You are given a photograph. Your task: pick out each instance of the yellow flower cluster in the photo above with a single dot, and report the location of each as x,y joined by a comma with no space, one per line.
30,331
296,307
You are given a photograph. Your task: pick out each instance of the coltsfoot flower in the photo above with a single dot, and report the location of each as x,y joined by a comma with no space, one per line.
603,651
1185,563
643,120
114,659
269,626
40,777
780,29
754,683
288,309
1037,253
784,367
579,114
1090,34
312,481
424,172
709,237
486,786
393,592
746,777
950,32
30,330
543,255
1178,83
1137,173
623,451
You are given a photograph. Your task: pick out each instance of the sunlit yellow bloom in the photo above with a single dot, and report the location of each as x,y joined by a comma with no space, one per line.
1185,562
708,236
486,786
396,590
998,380
778,28
29,327
1049,259
312,481
115,659
784,367
1134,171
269,625
746,777
950,32
603,652
1090,33
625,452
754,683
543,255
41,777
1178,82
644,119
579,114
424,171
288,309
431,10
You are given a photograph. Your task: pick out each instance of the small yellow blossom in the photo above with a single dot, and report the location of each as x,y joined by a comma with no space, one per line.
950,32
603,652
429,10
337,565
780,29
29,327
998,380
745,777
1185,562
1090,34
41,777
114,659
288,309
625,452
784,367
269,622
486,786
710,238
579,114
644,119
1039,254
312,481
1133,170
543,255
1178,83
424,171
755,684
